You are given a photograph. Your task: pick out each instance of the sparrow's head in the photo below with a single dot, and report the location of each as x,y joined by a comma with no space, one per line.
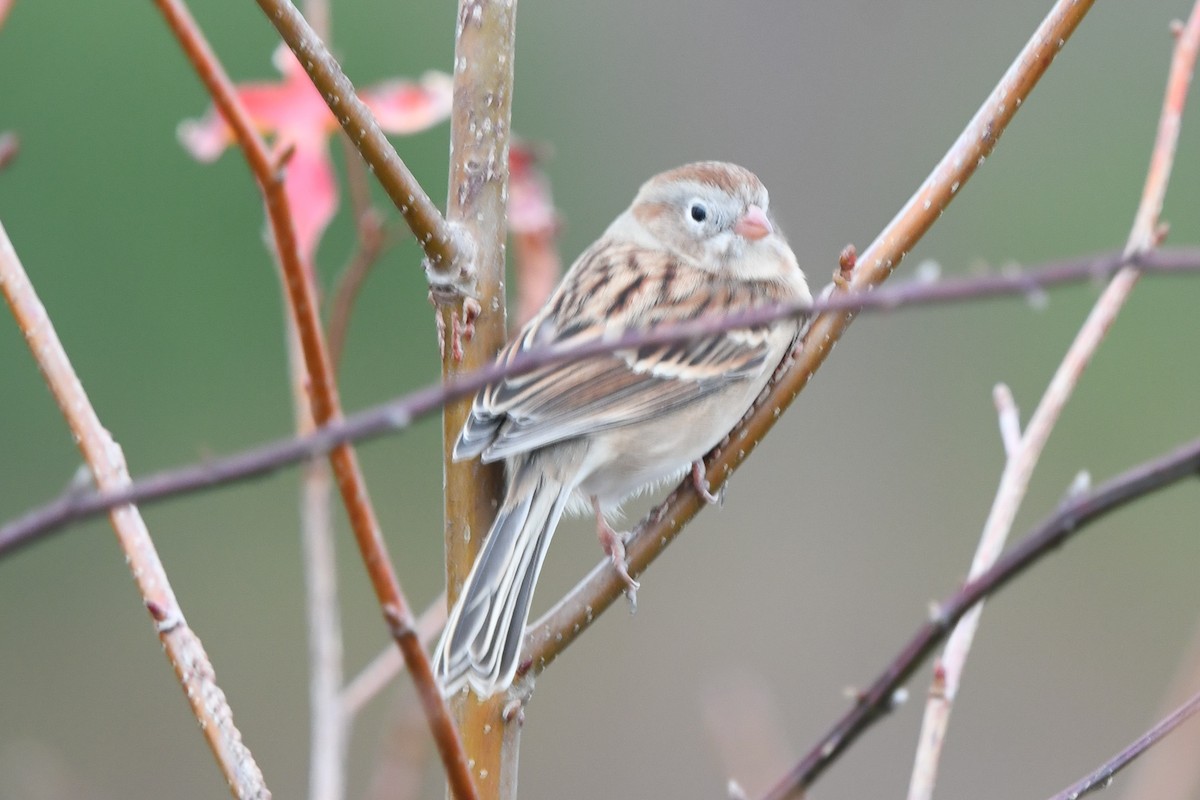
710,213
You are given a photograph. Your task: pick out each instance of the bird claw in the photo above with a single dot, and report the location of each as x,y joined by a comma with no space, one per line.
613,544
700,482
462,326
614,547
514,711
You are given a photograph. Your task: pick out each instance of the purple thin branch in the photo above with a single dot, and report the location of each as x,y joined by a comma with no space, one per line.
1070,519
1103,775
74,505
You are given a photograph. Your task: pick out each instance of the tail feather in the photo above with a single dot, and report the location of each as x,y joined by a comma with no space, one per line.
482,639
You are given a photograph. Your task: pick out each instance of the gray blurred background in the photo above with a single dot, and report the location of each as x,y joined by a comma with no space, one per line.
862,507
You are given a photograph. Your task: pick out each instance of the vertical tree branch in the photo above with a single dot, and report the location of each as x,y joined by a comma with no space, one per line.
326,407
107,465
479,143
328,728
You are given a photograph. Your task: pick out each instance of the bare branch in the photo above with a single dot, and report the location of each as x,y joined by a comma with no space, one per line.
388,664
327,733
1103,775
107,465
1071,518
1009,418
372,238
1172,771
74,506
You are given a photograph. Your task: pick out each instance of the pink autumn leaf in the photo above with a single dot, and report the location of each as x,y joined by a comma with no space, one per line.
293,113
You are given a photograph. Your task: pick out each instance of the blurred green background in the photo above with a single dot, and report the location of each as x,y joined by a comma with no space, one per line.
862,507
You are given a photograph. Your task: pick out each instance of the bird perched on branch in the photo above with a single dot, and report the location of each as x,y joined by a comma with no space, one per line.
697,240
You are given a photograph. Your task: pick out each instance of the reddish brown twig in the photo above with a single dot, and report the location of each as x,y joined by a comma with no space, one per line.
107,465
301,295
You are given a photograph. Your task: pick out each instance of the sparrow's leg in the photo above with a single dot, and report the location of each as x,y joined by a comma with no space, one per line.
701,483
613,544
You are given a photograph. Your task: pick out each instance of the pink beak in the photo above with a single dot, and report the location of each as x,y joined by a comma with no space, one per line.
754,224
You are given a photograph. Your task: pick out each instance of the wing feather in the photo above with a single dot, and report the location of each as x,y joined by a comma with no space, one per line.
560,402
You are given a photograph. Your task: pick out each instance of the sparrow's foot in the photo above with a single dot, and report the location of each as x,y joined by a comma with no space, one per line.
613,544
700,481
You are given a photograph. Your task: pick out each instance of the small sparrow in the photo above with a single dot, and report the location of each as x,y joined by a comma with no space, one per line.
589,434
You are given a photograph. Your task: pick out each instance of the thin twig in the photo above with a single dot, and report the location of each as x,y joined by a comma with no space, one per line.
1009,418
326,407
1172,771
1018,468
1071,517
371,680
948,668
398,414
403,759
327,733
107,465
1103,775
372,239
551,634
435,236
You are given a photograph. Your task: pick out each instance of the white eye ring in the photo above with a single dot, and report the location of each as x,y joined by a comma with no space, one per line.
698,212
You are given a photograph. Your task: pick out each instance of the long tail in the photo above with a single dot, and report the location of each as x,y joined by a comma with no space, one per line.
483,635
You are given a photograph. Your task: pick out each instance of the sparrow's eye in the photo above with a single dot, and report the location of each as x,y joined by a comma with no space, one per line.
698,212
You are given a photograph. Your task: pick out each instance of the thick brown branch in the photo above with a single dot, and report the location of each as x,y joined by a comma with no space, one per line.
1070,519
74,506
470,305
